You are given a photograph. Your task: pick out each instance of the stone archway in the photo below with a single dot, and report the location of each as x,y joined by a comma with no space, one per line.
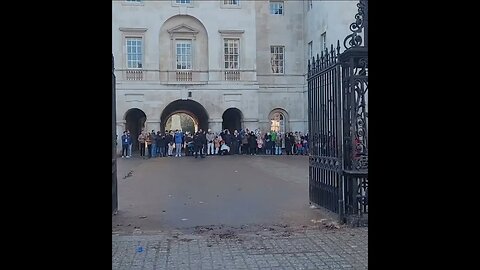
135,121
232,119
278,120
182,120
190,108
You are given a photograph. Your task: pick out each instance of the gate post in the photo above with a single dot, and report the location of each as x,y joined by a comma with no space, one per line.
354,61
114,146
337,123
341,199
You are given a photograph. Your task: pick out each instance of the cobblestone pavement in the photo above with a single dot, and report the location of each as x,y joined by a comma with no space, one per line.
263,247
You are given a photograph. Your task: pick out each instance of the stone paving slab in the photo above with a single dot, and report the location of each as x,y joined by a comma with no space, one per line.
344,248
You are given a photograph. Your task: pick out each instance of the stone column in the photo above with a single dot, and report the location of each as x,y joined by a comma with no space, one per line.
250,123
121,127
215,125
149,125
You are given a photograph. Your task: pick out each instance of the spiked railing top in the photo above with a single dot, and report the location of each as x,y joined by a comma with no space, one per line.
326,60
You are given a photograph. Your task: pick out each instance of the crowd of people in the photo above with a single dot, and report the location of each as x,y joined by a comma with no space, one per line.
206,143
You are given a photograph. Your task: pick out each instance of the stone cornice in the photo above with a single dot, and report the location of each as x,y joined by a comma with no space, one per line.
231,32
129,29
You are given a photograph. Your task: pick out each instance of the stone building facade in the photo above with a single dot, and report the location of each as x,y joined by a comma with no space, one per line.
225,63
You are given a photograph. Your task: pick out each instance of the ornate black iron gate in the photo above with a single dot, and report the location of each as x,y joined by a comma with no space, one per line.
114,146
337,108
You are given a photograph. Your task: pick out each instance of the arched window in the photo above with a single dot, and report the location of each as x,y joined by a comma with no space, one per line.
277,122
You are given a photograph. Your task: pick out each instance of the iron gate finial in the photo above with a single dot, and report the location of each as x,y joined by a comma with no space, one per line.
360,25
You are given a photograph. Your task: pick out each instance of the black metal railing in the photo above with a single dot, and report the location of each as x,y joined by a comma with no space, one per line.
338,120
324,90
356,192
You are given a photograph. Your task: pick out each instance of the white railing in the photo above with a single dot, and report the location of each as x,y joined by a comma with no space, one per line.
186,76
134,75
232,75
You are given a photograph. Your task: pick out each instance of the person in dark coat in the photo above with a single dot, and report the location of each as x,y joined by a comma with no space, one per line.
161,145
288,143
189,148
235,142
199,141
168,140
252,143
227,138
126,140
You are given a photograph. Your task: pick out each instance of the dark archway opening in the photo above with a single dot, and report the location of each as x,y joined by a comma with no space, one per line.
135,119
189,107
232,119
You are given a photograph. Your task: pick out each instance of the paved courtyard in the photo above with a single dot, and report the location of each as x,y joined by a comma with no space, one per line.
273,248
231,212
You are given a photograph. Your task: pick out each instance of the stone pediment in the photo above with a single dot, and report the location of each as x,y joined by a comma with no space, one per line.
182,29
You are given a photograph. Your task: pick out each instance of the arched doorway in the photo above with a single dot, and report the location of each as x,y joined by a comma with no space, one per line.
183,121
278,120
135,122
232,119
184,114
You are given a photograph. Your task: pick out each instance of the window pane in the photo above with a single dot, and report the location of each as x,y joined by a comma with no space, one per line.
231,53
276,7
134,52
277,57
183,52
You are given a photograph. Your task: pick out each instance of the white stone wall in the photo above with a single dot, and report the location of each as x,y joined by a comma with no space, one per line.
153,14
259,91
332,17
281,91
214,98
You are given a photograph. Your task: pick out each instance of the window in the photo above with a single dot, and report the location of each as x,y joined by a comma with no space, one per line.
276,8
277,122
310,50
323,41
277,59
184,54
231,53
309,4
183,1
133,3
231,2
134,52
